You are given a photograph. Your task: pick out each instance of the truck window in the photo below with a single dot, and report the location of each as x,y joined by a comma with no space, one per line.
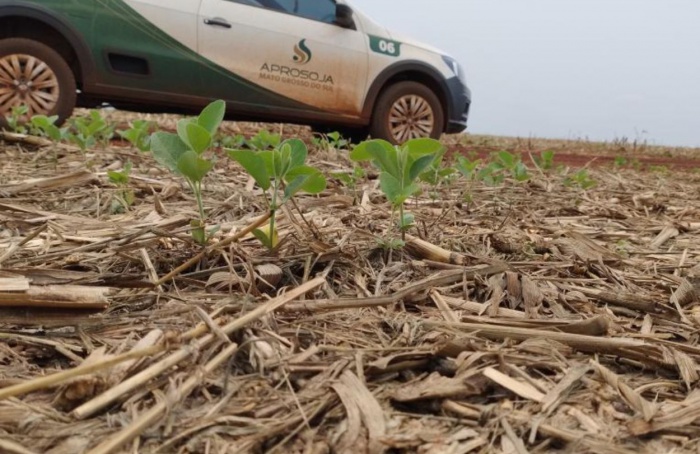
320,10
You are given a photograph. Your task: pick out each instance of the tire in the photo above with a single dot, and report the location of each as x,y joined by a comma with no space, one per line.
35,75
407,110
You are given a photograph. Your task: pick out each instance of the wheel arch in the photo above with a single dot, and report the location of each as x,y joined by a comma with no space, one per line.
36,23
415,71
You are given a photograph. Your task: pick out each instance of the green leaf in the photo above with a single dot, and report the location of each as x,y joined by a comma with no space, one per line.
446,172
299,152
182,130
254,164
360,152
343,177
47,127
192,167
263,238
294,186
131,135
520,172
387,159
211,117
419,165
40,121
268,157
282,160
429,177
137,135
492,174
54,132
546,160
409,191
197,137
407,221
391,188
118,178
167,149
264,140
507,159
306,179
137,138
99,128
420,147
97,124
233,142
467,167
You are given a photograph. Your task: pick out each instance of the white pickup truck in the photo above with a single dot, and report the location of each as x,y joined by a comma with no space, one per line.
316,62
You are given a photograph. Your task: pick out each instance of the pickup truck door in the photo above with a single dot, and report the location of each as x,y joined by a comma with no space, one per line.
148,47
174,17
290,48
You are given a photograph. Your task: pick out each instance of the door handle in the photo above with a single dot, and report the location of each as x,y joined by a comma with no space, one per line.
218,22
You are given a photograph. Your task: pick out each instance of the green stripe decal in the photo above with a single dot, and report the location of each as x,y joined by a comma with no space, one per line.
174,67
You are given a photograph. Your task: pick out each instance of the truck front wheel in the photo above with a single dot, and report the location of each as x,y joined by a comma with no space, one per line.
407,110
34,75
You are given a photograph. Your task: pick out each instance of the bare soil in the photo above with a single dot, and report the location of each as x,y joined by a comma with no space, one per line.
528,317
579,154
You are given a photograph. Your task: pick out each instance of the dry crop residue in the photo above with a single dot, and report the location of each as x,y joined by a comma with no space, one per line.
537,318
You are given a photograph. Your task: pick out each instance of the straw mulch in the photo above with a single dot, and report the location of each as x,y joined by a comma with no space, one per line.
538,318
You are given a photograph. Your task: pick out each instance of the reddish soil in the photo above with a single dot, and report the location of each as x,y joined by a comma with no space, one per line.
582,159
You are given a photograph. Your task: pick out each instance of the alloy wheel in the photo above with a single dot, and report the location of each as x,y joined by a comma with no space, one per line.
411,117
26,80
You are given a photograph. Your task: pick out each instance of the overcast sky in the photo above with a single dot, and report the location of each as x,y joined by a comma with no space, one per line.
597,69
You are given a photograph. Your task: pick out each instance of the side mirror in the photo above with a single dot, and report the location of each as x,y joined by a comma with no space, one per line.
343,16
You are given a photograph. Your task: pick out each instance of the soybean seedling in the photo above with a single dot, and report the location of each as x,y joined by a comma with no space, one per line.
581,179
43,126
15,119
545,161
467,168
264,140
234,142
125,196
400,168
512,163
86,132
138,134
351,179
281,172
437,174
502,164
184,154
331,141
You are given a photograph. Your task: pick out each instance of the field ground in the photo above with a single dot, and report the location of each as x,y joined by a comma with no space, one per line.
580,153
558,314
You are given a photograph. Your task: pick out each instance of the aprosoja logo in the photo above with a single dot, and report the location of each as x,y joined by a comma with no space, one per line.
302,54
282,73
